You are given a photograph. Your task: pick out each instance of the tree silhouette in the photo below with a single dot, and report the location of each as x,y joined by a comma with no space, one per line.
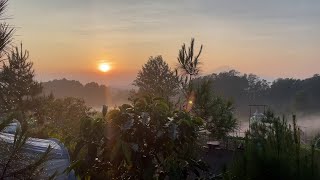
187,59
200,98
157,79
17,81
188,67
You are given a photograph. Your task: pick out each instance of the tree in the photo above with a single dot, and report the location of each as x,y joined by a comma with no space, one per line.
188,68
217,112
94,95
282,94
200,99
6,31
257,88
157,79
58,118
145,140
301,101
17,82
188,62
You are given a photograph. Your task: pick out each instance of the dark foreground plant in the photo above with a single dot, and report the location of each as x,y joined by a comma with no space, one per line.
15,161
145,140
273,150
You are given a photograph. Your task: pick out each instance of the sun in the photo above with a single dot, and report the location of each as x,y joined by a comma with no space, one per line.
104,67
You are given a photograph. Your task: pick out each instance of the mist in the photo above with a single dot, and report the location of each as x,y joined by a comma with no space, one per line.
308,124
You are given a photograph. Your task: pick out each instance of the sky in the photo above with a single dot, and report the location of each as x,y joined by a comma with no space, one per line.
67,38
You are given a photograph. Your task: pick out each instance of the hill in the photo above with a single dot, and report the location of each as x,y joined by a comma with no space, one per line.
94,94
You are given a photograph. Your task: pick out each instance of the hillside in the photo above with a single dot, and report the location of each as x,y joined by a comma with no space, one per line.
95,95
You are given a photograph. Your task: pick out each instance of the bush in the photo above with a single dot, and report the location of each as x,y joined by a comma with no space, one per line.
141,141
274,151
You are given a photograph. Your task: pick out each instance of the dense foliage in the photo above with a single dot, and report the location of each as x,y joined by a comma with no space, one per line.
58,118
150,138
157,79
274,150
217,112
199,99
18,86
284,95
158,135
141,141
17,89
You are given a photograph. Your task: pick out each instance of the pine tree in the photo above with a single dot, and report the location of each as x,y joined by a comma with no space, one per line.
18,86
6,31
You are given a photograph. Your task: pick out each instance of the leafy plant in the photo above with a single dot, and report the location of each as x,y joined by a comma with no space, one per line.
58,118
141,141
217,112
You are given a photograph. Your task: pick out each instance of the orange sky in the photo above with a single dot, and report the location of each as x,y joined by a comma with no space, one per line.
68,38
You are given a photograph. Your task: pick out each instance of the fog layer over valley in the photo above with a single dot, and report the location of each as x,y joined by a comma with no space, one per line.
284,96
93,94
309,125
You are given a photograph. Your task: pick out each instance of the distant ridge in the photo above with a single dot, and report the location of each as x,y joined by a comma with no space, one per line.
94,94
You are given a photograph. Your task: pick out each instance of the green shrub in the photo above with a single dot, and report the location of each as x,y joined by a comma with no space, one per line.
274,151
145,140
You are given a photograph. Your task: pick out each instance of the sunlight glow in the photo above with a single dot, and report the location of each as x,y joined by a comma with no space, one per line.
104,67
